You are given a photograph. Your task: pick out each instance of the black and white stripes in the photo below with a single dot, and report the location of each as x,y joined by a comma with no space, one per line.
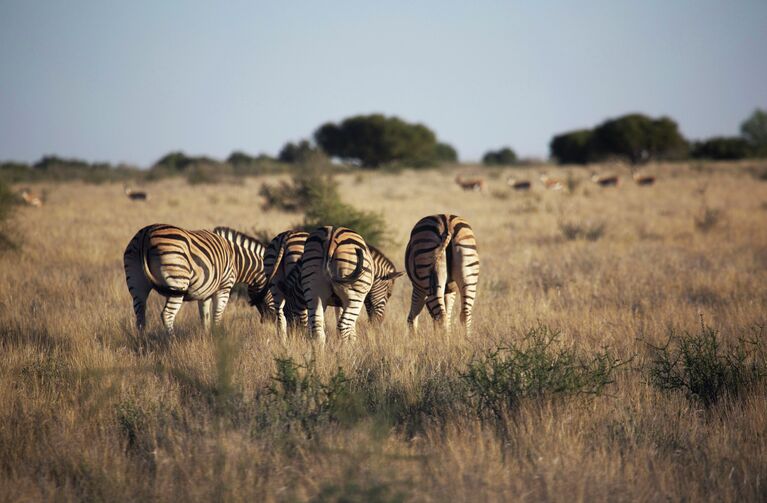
189,265
442,259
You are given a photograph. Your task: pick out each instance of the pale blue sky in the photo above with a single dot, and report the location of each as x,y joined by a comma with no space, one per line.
130,81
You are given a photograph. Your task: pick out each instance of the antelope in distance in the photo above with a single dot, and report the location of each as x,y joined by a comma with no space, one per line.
135,195
30,198
518,184
477,183
643,180
605,180
551,183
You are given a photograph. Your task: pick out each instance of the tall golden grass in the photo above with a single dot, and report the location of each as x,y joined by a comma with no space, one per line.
91,411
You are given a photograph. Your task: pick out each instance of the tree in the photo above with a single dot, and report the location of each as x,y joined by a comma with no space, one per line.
573,147
721,148
444,152
501,157
292,153
373,140
174,161
638,138
754,131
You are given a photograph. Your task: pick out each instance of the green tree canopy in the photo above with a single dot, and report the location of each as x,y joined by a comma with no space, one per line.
502,157
373,140
754,131
573,147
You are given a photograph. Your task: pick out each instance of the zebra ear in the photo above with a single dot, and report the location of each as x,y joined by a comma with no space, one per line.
392,275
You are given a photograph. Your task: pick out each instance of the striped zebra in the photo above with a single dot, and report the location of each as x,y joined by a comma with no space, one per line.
441,259
384,275
190,265
336,263
282,257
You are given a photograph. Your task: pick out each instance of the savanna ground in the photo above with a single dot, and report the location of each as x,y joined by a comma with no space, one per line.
90,411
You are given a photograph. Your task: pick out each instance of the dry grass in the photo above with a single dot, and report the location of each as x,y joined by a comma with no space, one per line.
90,412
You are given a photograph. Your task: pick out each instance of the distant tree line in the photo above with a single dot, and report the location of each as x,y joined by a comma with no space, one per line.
373,141
639,138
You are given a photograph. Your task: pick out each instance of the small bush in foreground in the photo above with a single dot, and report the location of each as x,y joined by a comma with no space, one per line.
704,368
536,367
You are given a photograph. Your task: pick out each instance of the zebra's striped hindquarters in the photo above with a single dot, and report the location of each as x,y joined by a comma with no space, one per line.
336,263
441,260
282,258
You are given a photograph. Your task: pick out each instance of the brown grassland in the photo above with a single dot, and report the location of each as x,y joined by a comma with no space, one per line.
90,411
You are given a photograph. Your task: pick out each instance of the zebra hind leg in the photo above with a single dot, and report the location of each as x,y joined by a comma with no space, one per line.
449,301
204,306
169,312
417,301
347,321
468,295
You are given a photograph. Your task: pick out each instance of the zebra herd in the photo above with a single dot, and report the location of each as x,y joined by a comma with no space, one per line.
294,278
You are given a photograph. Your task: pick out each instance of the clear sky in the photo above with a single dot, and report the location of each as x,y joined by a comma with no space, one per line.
128,81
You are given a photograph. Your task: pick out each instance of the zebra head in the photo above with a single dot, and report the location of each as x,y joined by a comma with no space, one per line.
380,292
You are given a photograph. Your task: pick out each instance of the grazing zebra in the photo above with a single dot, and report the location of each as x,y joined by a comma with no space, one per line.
190,265
336,263
441,259
384,274
282,257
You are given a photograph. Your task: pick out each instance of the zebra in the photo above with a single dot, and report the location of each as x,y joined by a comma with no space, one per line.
441,259
336,263
384,275
282,257
190,265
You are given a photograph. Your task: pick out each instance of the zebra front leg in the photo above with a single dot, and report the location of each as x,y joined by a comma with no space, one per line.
417,301
169,312
220,299
204,306
347,321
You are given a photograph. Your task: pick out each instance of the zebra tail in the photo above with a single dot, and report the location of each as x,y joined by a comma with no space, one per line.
356,273
439,256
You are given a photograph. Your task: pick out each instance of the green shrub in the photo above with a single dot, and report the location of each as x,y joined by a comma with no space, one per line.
299,396
538,366
704,368
573,147
314,191
721,148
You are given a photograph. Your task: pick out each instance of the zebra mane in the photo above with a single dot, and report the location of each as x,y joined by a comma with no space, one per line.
240,239
377,255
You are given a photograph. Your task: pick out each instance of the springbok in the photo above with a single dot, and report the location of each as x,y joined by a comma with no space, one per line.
135,195
605,180
30,198
551,183
643,180
518,184
471,183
